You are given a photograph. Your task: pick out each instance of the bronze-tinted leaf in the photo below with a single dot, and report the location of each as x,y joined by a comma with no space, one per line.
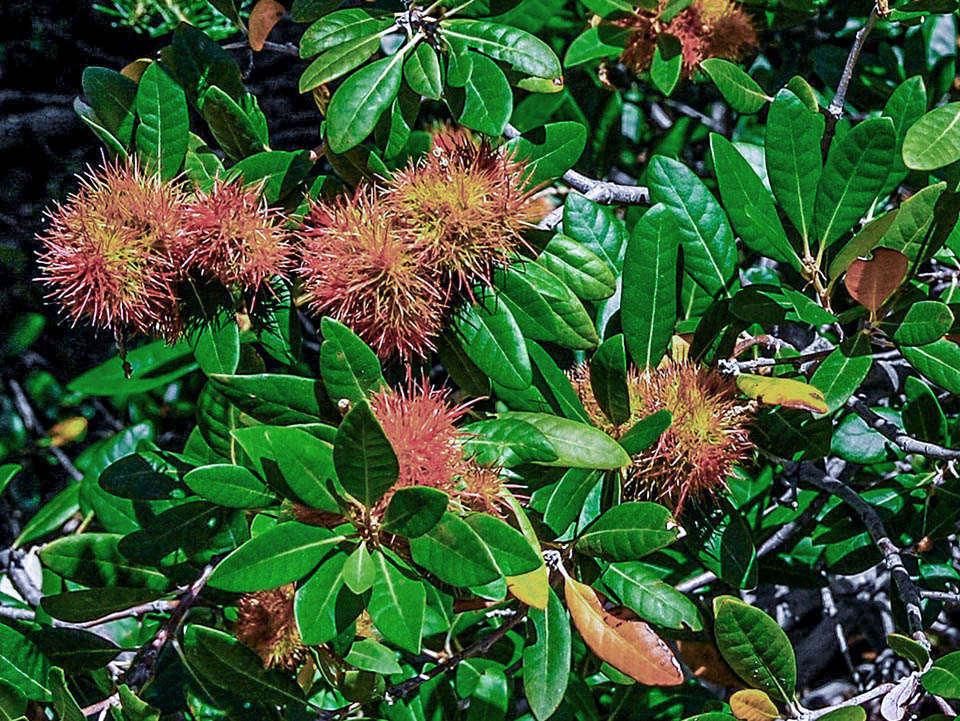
871,281
630,646
265,14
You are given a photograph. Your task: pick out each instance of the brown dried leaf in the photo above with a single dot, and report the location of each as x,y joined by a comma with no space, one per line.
629,646
265,14
135,69
704,659
753,705
870,282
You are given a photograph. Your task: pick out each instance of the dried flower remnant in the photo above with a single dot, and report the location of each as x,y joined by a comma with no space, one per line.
466,204
705,29
105,251
267,624
363,268
708,438
233,236
421,426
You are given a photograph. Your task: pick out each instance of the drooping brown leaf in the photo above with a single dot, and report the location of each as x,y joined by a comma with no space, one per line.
630,646
784,392
135,69
753,705
871,281
704,659
265,14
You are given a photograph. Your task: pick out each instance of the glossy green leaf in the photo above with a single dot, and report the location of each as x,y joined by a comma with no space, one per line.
422,72
349,367
519,49
363,457
600,41
596,227
198,63
491,338
752,211
90,604
933,141
415,510
904,106
307,466
648,306
231,127
230,486
218,346
280,172
646,431
22,665
608,376
161,137
566,501
667,63
338,60
862,243
487,99
8,472
922,415
112,97
842,372
546,661
577,445
938,361
740,90
338,28
358,103
909,233
273,397
51,516
74,649
454,553
856,168
909,649
629,531
584,272
504,443
397,605
943,678
323,605
549,151
94,559
359,570
644,593
369,655
925,322
284,554
723,544
512,552
64,704
709,249
755,647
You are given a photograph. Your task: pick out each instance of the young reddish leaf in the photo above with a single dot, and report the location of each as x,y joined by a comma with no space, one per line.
870,282
753,705
265,14
782,392
627,645
531,588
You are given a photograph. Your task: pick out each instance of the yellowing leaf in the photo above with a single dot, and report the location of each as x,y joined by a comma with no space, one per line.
531,588
753,705
67,431
627,645
265,14
135,69
870,282
784,392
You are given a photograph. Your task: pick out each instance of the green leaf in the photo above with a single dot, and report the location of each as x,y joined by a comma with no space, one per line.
904,106
646,431
546,661
629,531
752,211
755,647
519,49
922,415
230,486
709,249
549,151
64,704
281,173
422,72
284,554
365,461
199,63
909,649
909,234
338,60
938,361
943,678
648,308
600,41
338,28
642,591
231,127
856,168
723,544
925,322
596,227
22,665
8,472
843,371
415,510
52,515
491,338
272,397
584,272
793,159
738,89
139,477
324,607
862,243
74,649
454,553
608,376
307,465
349,367
218,345
504,443
164,121
94,559
933,141
231,665
577,445
397,605
90,604
359,571
112,97
567,500
358,103
134,709
667,63
488,100
512,552
369,655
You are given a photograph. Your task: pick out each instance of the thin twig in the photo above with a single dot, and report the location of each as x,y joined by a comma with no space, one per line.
33,425
11,560
285,48
875,692
835,109
17,614
943,596
893,433
142,609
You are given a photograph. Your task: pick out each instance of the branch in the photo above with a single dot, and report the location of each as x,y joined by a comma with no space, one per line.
30,421
873,693
943,596
906,589
142,609
17,614
285,48
893,433
835,109
12,562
